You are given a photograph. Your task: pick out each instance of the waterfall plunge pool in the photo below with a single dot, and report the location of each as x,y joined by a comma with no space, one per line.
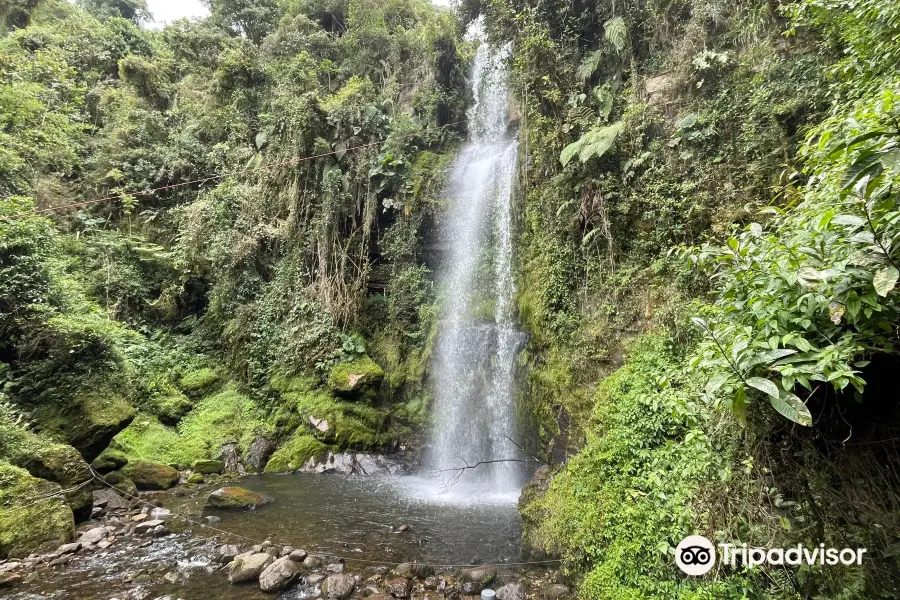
345,516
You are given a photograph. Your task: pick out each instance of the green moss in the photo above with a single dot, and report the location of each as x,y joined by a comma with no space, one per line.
171,408
235,498
147,439
225,417
208,467
294,453
350,424
110,460
199,381
355,377
196,478
88,421
150,476
120,482
47,459
24,523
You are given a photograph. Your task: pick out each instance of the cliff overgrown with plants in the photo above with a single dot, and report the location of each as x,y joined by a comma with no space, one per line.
707,269
211,235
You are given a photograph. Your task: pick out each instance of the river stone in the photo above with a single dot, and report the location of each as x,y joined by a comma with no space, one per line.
9,579
65,549
398,587
311,562
227,553
279,575
147,525
414,570
379,596
511,591
335,568
92,536
482,575
431,595
471,588
247,568
235,498
338,586
108,499
315,578
555,591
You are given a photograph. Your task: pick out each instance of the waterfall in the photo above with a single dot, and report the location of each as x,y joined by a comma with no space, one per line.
478,341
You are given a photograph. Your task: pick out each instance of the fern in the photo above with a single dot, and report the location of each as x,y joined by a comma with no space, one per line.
616,33
588,65
593,143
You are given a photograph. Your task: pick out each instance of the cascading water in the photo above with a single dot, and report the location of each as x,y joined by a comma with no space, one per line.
478,342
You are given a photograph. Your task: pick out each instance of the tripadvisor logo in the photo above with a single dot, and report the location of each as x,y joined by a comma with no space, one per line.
695,555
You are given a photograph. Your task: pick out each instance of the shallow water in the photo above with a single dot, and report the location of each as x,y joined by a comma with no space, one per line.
343,516
354,516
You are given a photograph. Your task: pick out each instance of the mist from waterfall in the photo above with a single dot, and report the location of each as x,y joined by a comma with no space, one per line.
475,417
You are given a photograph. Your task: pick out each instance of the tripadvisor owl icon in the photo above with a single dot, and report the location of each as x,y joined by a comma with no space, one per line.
695,555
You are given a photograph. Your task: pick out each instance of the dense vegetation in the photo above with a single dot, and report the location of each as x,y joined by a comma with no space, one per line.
707,270
213,236
199,224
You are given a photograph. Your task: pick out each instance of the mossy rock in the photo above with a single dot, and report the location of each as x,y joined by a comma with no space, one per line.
89,421
25,524
208,467
150,476
47,459
235,498
355,377
196,478
110,460
121,483
199,381
294,453
172,408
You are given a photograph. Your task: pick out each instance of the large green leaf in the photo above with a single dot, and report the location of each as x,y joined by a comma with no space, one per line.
885,280
764,385
791,407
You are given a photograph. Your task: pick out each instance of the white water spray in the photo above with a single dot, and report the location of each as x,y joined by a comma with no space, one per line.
478,342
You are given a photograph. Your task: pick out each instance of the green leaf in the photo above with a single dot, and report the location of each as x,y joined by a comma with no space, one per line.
616,33
791,407
885,280
570,151
764,385
739,406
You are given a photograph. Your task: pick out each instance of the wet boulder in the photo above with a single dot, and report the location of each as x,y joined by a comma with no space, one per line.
150,476
279,575
338,586
208,467
235,498
245,568
108,499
